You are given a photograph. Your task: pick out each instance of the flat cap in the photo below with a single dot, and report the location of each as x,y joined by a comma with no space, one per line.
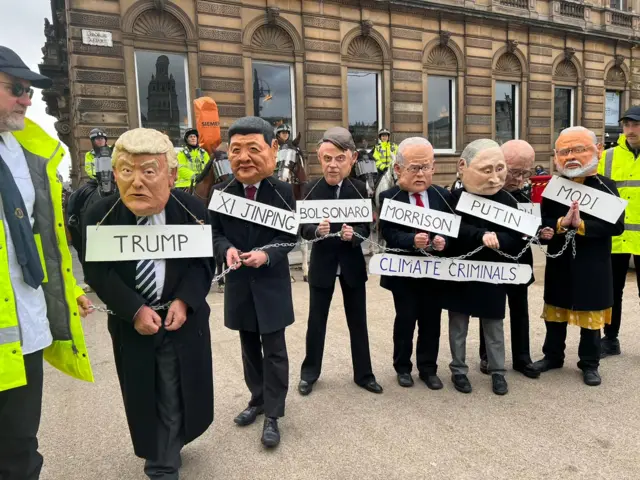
12,64
340,137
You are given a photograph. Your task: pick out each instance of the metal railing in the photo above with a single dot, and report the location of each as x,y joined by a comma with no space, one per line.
621,19
571,9
515,3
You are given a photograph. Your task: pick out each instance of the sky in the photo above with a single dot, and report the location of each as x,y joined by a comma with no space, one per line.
22,30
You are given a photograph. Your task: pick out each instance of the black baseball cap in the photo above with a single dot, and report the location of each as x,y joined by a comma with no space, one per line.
340,137
632,114
12,64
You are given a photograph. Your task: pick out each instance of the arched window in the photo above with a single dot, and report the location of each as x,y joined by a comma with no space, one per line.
616,99
508,92
566,96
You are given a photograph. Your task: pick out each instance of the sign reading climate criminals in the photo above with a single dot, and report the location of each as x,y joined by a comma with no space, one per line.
421,218
499,214
255,212
119,243
448,269
337,211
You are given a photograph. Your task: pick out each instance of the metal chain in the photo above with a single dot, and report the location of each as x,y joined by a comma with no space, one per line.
104,309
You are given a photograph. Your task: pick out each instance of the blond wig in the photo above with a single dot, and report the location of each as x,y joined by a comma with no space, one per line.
144,141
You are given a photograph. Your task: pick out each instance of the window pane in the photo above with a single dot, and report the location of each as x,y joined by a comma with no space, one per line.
272,93
162,93
561,110
441,114
363,107
506,116
612,108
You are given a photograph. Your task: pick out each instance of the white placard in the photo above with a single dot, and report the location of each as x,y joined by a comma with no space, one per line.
337,211
254,212
99,38
600,204
531,209
119,243
498,213
446,269
421,218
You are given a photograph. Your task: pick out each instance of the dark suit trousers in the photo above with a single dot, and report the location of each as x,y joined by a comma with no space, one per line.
20,410
588,349
355,309
411,306
169,411
620,267
267,377
518,298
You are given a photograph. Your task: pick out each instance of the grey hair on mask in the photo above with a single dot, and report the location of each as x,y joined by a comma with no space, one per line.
580,129
408,142
472,150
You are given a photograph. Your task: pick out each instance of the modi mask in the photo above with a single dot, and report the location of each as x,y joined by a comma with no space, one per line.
252,150
145,166
482,167
577,154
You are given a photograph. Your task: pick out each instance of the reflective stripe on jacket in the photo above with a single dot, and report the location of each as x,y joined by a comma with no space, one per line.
90,164
68,352
620,164
190,163
383,154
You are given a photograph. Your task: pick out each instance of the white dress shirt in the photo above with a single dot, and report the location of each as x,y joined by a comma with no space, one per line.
30,304
160,266
423,195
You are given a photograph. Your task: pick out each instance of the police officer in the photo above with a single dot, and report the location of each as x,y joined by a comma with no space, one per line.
620,164
283,134
98,140
191,160
383,151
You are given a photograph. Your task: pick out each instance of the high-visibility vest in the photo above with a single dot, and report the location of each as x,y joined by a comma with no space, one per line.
382,154
619,164
68,352
191,162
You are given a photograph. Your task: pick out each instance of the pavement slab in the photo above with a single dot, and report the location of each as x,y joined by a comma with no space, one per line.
551,428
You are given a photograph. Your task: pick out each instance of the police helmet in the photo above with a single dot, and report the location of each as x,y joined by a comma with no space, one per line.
282,128
97,133
191,131
383,131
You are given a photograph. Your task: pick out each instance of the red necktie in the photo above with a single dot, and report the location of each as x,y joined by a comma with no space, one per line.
250,192
418,198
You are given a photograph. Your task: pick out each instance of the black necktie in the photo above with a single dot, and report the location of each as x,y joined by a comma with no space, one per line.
146,274
334,190
17,218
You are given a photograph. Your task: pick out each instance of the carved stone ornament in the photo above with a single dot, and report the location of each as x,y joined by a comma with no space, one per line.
512,45
566,70
159,5
365,49
442,57
273,38
366,26
569,53
508,63
272,14
619,60
444,38
154,24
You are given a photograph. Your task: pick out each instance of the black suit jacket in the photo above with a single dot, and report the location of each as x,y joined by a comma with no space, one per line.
187,279
256,299
401,236
327,254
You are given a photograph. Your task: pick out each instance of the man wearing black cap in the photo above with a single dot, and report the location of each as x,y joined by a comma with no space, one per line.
40,314
621,165
337,257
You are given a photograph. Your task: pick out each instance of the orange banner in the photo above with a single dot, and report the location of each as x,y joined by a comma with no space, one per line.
207,123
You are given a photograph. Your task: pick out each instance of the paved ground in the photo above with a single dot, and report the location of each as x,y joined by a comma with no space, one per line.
551,428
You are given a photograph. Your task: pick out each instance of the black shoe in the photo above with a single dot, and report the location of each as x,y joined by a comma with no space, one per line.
405,380
248,415
461,382
304,387
500,386
527,370
432,381
545,365
270,433
372,386
609,346
591,378
484,367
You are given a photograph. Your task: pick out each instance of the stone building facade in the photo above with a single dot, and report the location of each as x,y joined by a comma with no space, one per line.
453,70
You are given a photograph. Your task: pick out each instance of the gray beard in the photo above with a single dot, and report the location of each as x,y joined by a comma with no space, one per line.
12,122
581,172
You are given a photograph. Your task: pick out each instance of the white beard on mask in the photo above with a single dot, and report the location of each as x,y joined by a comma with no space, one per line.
582,171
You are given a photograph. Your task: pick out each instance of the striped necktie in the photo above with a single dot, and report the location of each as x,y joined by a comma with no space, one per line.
146,274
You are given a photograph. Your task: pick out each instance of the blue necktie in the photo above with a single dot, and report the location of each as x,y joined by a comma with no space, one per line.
146,274
17,218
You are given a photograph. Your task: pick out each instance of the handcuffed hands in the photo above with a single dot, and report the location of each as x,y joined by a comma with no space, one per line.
346,233
254,259
147,321
176,316
490,240
323,228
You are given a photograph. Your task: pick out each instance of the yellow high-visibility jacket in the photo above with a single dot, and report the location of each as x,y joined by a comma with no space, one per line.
191,162
382,154
68,352
620,164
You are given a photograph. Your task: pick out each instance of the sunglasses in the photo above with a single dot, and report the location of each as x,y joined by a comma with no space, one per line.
18,90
